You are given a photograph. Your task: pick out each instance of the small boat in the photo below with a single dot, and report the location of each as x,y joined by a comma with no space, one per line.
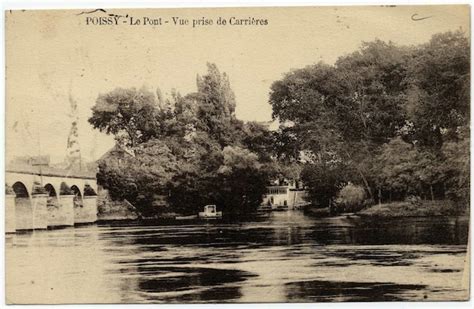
210,212
191,217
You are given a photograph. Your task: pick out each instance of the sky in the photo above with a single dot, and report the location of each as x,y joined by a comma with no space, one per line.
53,54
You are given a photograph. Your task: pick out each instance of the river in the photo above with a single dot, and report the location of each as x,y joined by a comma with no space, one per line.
282,257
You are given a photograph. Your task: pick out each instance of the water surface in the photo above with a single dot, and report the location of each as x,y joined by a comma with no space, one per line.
281,257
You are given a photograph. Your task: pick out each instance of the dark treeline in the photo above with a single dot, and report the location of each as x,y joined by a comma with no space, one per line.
384,123
391,119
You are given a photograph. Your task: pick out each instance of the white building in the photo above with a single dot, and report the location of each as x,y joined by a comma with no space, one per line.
284,197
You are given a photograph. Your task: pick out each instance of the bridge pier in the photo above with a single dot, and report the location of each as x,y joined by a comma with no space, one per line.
23,213
10,217
87,212
61,213
40,212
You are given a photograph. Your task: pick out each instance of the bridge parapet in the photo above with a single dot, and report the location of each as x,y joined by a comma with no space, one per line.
49,171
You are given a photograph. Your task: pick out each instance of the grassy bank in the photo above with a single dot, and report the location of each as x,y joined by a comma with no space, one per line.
408,209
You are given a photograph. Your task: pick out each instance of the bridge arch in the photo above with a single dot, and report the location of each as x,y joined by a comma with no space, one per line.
89,190
77,191
53,197
23,207
78,202
21,190
52,192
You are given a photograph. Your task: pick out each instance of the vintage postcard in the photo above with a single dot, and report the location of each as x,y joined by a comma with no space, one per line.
237,155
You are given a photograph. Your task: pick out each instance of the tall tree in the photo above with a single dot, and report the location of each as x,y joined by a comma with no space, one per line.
215,105
346,110
128,114
242,180
439,79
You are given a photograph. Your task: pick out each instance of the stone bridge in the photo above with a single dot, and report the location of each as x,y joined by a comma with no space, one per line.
38,197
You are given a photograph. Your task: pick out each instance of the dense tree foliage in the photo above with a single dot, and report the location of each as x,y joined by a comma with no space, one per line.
324,181
128,114
456,167
181,153
439,79
392,116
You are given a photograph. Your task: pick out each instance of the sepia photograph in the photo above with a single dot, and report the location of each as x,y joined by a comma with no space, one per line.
307,154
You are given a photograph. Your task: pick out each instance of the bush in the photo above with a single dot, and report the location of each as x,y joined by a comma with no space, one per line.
350,198
413,199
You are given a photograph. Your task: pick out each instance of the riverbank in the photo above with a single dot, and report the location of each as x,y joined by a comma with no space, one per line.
409,209
118,211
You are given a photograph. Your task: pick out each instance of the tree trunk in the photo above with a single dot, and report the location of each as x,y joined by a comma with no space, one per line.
380,196
366,183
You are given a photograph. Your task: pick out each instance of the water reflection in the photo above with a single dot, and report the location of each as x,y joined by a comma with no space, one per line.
283,257
319,291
